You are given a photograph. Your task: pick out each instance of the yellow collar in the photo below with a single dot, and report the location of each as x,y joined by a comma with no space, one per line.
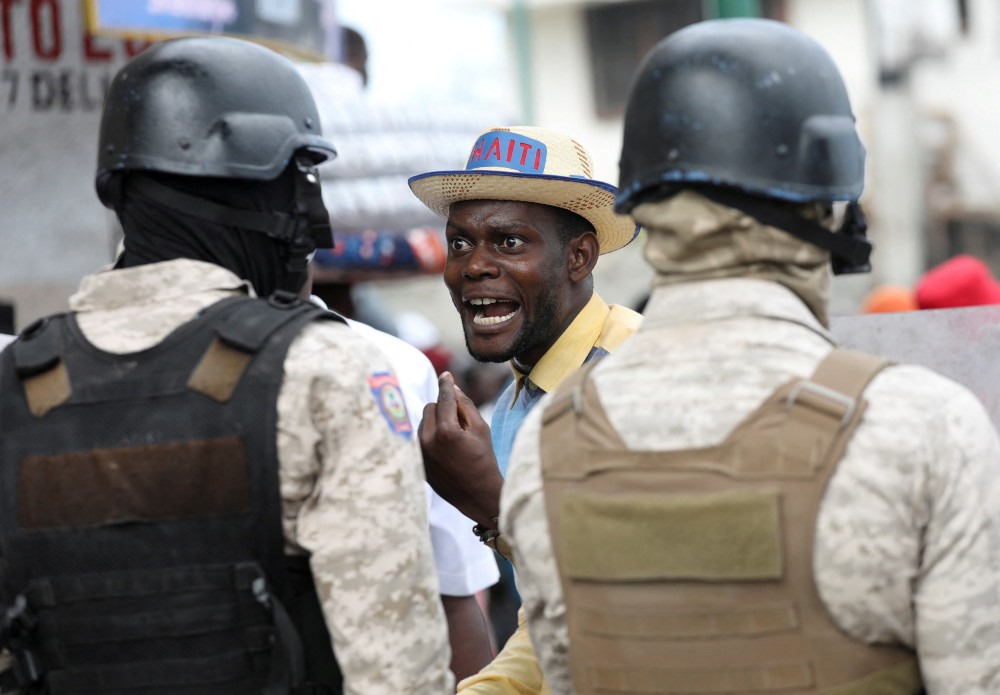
570,350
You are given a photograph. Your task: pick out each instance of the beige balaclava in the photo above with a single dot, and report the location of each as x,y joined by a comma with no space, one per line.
692,238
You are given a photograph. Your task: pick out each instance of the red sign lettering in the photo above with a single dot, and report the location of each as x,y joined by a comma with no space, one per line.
8,42
53,48
93,51
134,47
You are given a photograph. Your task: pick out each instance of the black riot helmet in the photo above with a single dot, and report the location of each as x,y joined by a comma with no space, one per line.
751,113
222,108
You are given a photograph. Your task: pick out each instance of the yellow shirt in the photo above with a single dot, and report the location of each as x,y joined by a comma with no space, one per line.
515,671
598,326
598,329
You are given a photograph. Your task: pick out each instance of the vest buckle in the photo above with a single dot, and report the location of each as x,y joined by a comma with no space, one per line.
283,299
824,399
19,621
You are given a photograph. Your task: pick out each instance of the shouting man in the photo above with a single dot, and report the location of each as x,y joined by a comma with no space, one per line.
526,224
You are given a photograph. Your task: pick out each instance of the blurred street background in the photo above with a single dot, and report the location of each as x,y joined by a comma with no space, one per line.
404,87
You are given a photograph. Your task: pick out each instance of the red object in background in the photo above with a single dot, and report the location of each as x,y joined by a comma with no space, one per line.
960,281
440,357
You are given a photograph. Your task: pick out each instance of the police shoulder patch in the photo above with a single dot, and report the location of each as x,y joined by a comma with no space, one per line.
385,388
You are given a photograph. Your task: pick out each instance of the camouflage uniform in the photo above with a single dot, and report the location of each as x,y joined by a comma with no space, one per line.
908,538
351,488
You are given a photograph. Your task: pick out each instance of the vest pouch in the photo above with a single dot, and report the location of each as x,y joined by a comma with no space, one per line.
195,630
720,536
625,546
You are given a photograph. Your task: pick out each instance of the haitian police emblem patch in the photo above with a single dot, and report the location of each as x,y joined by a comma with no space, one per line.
385,388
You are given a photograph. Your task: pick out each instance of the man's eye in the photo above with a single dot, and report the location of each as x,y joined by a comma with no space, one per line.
512,242
458,244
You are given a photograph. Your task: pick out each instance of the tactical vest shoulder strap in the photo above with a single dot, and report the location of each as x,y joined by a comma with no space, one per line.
807,422
242,334
39,362
568,394
848,373
249,326
575,415
39,365
37,349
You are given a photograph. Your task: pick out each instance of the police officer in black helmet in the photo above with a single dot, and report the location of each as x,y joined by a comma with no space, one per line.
203,478
730,502
760,127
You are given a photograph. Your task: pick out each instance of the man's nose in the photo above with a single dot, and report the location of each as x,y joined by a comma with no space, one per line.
481,263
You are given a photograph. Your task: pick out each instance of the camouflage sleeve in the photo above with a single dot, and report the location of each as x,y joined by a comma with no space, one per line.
353,498
957,596
908,536
524,522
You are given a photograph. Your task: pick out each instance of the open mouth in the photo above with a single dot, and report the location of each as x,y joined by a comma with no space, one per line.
489,311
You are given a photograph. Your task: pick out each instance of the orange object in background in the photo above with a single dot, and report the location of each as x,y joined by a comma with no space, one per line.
889,298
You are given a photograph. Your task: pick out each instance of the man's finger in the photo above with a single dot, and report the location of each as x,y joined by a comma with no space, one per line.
447,411
468,413
428,421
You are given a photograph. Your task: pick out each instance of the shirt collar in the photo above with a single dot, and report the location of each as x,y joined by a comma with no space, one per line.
152,283
570,349
718,300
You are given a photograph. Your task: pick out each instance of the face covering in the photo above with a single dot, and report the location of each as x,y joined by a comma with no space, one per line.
155,231
691,238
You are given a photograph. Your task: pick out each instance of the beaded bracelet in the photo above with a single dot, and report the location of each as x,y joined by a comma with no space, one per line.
487,535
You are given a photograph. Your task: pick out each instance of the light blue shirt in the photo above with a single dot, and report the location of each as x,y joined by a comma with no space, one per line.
507,419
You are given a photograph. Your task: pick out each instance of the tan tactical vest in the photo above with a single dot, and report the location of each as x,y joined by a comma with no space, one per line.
691,571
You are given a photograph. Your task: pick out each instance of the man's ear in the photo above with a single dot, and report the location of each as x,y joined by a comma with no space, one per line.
581,255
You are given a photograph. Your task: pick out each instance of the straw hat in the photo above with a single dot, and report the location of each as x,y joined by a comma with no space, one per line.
533,165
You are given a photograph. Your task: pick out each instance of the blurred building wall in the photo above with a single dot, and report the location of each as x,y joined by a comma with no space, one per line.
920,74
563,97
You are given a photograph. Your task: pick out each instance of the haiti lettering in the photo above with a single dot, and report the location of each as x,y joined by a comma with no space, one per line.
385,388
499,148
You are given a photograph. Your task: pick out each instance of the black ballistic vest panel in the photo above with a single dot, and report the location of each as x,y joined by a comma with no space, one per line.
141,547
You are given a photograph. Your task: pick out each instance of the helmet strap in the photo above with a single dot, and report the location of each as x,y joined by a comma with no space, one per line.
309,203
302,230
849,248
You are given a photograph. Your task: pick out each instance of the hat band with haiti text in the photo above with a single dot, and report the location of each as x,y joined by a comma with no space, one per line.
533,165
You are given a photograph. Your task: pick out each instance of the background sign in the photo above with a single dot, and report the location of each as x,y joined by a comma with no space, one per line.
53,76
302,27
54,73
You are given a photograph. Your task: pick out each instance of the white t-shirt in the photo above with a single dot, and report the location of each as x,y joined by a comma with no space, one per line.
464,565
